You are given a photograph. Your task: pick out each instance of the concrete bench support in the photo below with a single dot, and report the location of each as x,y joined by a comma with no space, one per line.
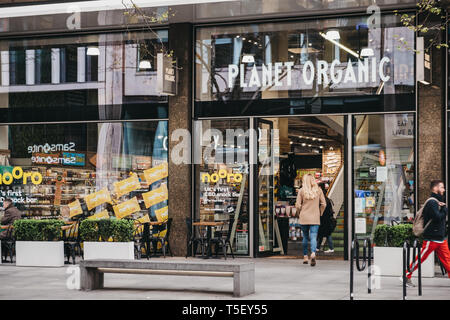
92,272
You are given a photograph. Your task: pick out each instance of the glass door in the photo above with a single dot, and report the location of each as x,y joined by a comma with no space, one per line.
264,187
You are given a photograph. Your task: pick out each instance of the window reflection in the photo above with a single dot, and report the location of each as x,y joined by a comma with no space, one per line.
384,179
222,179
260,7
321,57
81,72
80,159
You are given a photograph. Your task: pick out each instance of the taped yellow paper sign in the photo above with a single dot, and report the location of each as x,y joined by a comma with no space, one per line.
75,208
101,215
155,196
97,198
157,173
126,186
144,219
162,214
126,208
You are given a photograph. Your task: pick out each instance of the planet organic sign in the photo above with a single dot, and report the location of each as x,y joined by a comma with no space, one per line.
272,75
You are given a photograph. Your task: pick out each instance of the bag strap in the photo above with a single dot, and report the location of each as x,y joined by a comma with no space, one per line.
430,198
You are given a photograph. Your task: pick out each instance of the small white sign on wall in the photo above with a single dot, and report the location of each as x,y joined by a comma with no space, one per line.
360,205
360,226
381,174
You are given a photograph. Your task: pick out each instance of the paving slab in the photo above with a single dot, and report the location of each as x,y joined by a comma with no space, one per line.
276,279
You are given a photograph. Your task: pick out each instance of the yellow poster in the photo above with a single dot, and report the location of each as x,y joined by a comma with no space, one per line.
370,202
75,208
155,196
126,208
162,214
144,219
126,186
157,173
97,198
101,215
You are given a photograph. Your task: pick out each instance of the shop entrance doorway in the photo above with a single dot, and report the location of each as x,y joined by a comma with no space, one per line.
288,148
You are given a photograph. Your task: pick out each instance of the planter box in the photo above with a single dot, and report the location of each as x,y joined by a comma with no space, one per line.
40,253
108,250
390,262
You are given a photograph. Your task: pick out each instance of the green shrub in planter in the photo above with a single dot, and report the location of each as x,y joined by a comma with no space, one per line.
103,229
400,234
89,230
381,237
122,230
393,236
38,230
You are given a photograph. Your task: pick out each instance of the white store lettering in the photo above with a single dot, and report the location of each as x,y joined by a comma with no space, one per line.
46,148
280,73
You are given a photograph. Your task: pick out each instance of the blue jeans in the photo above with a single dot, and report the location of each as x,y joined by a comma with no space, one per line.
309,235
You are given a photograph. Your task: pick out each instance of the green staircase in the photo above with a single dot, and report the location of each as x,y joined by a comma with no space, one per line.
338,238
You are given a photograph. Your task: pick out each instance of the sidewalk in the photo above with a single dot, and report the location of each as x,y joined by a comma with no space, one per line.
276,279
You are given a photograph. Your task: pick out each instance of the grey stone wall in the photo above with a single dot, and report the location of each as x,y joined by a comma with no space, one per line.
180,115
431,126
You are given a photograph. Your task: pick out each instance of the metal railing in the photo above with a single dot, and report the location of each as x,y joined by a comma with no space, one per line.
407,267
366,262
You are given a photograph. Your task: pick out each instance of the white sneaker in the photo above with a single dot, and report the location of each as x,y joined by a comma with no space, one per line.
409,282
329,251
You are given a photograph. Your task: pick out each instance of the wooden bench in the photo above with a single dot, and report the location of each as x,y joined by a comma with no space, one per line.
243,273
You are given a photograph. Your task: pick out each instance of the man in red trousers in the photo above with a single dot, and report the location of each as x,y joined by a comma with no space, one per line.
434,232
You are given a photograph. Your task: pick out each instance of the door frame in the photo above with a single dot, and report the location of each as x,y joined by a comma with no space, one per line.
255,187
348,183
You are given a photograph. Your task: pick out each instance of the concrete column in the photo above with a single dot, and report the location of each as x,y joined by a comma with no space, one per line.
81,64
431,127
180,117
4,64
29,66
56,66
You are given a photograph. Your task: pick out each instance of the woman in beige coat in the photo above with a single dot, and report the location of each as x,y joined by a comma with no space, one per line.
310,206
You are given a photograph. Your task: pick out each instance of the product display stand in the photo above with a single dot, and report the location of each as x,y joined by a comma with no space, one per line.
278,235
262,239
375,220
238,209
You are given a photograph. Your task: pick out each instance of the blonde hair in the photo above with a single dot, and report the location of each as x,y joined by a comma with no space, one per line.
310,187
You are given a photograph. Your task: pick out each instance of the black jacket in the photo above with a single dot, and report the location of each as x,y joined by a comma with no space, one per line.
326,220
437,214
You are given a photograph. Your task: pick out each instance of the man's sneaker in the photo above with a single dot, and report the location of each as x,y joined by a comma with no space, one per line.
329,251
409,282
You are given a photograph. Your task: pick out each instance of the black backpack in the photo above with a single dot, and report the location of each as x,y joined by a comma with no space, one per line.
330,214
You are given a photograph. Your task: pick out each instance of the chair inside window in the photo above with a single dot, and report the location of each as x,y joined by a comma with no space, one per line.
222,241
194,238
161,236
140,235
72,242
9,244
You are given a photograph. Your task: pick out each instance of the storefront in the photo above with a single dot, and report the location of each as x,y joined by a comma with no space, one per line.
276,100
269,91
81,132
